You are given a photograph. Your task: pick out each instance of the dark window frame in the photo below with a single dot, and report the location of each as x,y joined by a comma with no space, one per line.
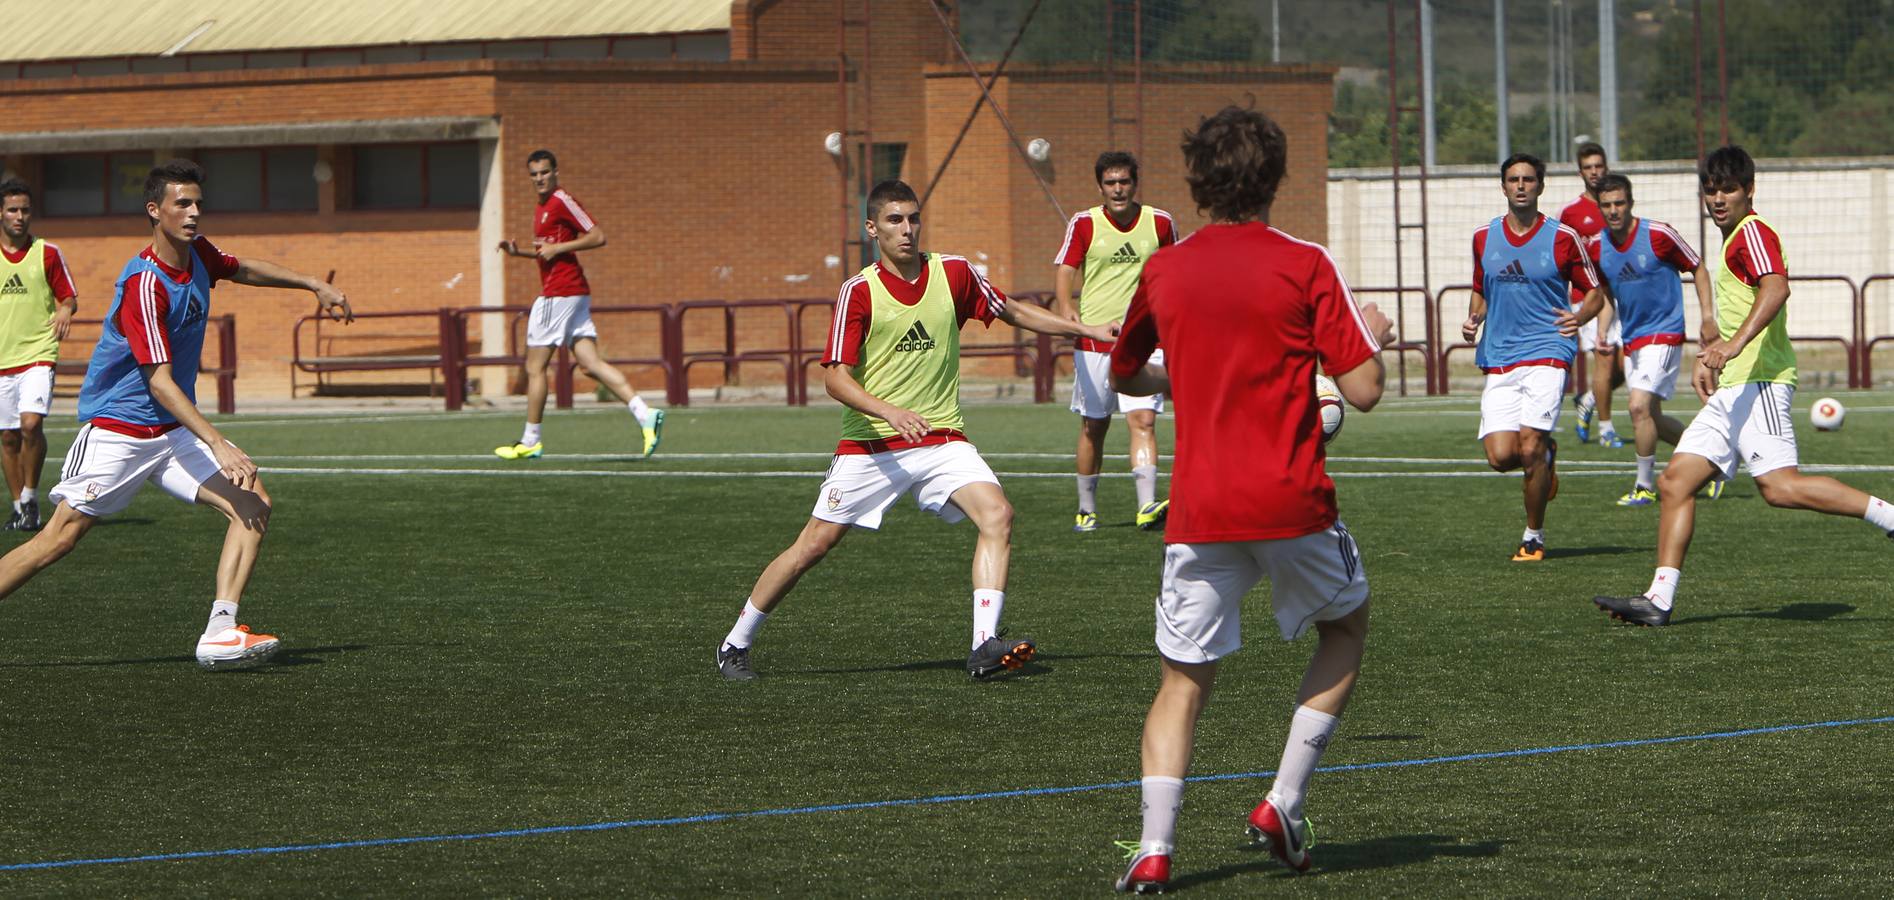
425,181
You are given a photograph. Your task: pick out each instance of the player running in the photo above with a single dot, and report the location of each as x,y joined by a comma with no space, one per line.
562,314
1640,261
141,388
1607,371
893,360
1523,265
1747,382
37,303
1247,313
1105,248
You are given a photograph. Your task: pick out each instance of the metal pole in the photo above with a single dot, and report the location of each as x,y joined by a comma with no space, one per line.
1608,76
1428,132
1552,81
1275,31
1499,89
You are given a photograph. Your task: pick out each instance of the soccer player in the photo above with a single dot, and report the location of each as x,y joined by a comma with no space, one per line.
1246,314
1640,261
1523,266
1607,372
1105,249
562,314
893,360
37,303
139,403
1747,382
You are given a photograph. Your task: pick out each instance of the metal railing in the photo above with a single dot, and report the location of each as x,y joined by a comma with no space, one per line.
225,371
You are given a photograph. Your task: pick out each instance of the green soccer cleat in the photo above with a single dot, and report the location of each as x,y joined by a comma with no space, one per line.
1151,517
1085,522
654,433
1639,496
1714,490
520,451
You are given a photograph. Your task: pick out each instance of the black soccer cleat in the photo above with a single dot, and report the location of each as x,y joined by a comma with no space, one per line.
28,517
1635,610
998,654
734,663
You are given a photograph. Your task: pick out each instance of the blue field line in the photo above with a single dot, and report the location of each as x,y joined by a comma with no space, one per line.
918,801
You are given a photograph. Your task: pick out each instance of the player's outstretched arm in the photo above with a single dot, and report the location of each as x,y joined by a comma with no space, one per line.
258,273
1030,317
1771,295
234,463
841,384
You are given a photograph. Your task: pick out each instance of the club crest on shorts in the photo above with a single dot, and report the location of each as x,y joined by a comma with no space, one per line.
835,499
91,491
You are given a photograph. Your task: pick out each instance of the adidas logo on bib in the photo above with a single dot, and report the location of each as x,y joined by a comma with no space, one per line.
14,285
1513,272
1125,254
917,338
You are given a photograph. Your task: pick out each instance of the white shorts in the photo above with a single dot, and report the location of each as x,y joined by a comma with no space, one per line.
1313,578
861,486
1526,397
1751,423
105,469
558,321
29,391
1092,396
1588,334
1653,369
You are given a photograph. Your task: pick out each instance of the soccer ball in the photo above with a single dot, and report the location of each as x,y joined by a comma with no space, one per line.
1826,414
1328,401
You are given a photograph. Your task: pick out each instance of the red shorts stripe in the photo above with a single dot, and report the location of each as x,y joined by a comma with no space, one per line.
884,445
1500,370
130,429
1092,346
1668,340
15,370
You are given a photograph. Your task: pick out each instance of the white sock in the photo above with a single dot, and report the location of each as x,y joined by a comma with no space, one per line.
1647,472
1663,592
223,614
28,495
1163,799
986,613
1088,493
1309,734
1146,476
1532,534
749,622
1880,514
640,411
530,436
1588,401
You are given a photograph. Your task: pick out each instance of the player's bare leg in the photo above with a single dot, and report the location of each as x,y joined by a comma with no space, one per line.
54,541
989,510
1648,426
1526,449
780,576
1143,426
538,359
1091,458
650,421
1677,488
249,515
1330,678
10,463
1606,371
1788,488
32,458
1170,728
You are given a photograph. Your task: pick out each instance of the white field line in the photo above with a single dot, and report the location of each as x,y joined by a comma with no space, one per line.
787,455
680,473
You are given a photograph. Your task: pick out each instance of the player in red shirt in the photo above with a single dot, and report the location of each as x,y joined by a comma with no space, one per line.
562,314
1246,314
1607,371
29,347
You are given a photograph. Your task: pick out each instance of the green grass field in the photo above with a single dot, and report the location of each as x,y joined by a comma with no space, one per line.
477,647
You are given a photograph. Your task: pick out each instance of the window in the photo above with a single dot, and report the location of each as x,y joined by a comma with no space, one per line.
95,184
280,179
290,178
411,176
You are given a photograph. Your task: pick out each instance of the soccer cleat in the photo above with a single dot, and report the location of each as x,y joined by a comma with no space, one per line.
997,654
520,451
652,434
13,522
235,648
1149,873
1151,516
1636,610
734,663
28,519
1285,839
1639,496
1610,440
1587,406
1530,551
1714,490
1085,522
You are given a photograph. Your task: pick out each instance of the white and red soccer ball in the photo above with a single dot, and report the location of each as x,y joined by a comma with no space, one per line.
1328,402
1826,414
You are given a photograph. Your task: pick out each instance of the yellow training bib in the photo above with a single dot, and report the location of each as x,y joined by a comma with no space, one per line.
1770,357
26,306
910,356
1112,265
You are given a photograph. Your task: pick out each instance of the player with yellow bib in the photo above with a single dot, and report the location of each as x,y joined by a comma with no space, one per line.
1747,383
1105,248
37,303
893,360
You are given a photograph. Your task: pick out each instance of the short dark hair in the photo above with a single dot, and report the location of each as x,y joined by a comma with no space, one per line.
894,190
545,154
1114,159
13,187
1727,165
1538,165
176,171
1615,182
1234,162
1589,149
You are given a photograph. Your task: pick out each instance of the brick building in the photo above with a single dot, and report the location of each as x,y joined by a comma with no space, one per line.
386,141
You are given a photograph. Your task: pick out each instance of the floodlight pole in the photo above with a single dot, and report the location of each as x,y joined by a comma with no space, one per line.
1429,131
1499,89
1608,76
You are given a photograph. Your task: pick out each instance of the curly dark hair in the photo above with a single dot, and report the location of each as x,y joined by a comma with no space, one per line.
1727,165
1114,159
1236,160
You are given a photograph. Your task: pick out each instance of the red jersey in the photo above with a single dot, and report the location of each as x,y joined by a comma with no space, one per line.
57,277
1754,251
1583,216
556,220
141,315
1245,313
974,298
